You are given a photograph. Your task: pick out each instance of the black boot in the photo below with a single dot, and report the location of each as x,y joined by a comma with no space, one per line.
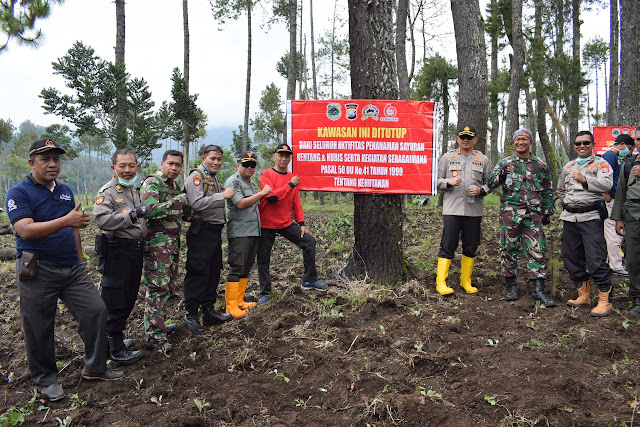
191,319
539,295
119,354
635,310
513,290
210,317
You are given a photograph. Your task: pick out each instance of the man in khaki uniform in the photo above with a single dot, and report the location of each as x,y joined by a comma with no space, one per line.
584,249
462,177
120,215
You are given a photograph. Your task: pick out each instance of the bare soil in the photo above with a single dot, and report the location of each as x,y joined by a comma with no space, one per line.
359,354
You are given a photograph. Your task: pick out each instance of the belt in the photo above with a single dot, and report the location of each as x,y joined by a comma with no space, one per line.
580,209
634,201
119,242
208,225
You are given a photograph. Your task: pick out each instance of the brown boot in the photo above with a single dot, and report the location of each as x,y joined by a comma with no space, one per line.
584,296
604,306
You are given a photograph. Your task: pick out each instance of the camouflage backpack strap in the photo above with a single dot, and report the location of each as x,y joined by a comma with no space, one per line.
162,196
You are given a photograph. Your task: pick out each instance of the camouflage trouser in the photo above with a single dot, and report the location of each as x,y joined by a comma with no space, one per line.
160,274
516,227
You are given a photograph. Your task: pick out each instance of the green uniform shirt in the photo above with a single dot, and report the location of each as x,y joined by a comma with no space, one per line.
242,222
627,194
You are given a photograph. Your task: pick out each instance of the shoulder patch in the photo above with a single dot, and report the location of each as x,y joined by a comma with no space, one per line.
99,200
605,167
197,180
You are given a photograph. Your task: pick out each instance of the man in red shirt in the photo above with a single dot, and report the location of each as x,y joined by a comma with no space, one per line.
275,218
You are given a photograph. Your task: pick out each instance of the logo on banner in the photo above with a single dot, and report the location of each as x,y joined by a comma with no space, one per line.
370,111
333,111
389,114
352,111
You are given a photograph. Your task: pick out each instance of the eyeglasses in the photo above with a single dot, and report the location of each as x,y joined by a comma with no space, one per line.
248,164
211,148
580,143
466,137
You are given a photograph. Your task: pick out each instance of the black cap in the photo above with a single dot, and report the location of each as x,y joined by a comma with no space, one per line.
44,145
624,138
247,157
467,130
283,148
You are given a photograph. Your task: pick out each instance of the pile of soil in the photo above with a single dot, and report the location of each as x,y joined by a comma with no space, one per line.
359,354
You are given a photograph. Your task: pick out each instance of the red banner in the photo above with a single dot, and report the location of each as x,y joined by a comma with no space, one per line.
364,146
604,136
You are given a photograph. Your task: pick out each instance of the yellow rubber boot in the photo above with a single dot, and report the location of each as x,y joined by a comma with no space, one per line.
466,268
231,291
243,287
584,296
441,279
604,306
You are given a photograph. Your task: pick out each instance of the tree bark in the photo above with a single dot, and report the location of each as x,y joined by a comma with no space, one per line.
313,53
614,68
291,71
247,93
401,48
185,71
121,97
629,63
513,114
574,107
472,67
377,252
493,92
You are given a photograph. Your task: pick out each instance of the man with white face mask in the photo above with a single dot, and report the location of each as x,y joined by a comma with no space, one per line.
121,217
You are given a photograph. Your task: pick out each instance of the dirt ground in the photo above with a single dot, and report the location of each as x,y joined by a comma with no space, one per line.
356,355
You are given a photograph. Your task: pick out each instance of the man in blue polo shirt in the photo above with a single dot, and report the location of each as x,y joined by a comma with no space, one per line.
49,265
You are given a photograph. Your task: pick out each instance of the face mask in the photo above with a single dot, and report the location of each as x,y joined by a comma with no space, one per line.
129,183
624,153
582,161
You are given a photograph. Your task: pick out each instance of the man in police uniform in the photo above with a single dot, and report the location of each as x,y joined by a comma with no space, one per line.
162,247
462,176
526,206
204,241
243,230
119,213
626,213
580,186
50,265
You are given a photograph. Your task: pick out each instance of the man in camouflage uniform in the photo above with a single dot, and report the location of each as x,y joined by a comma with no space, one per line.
580,186
165,201
526,205
120,215
626,213
462,177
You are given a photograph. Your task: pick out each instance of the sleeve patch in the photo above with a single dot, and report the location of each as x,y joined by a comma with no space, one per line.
197,180
11,205
605,167
99,200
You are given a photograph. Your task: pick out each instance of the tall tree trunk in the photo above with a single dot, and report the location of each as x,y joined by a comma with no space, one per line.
377,219
445,117
185,125
574,108
629,63
291,71
513,114
121,96
247,92
313,53
614,69
472,67
493,92
299,73
401,48
531,118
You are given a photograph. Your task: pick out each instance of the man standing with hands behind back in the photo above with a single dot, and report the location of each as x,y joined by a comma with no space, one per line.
462,176
275,218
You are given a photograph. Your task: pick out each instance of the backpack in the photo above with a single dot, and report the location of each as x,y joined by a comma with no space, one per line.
628,164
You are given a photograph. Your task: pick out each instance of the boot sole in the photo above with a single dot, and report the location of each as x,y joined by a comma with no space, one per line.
117,363
601,315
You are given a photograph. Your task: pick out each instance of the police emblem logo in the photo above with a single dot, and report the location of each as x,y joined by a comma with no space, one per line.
333,111
119,200
352,111
196,180
454,173
99,200
49,143
370,111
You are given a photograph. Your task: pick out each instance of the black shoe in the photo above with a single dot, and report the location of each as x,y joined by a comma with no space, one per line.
52,393
513,290
171,329
106,375
163,345
210,317
193,323
635,310
119,354
127,343
539,295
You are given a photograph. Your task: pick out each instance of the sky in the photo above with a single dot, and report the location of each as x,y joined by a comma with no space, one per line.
154,46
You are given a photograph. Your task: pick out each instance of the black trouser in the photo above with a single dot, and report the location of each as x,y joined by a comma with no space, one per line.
38,305
204,262
292,233
453,226
121,281
632,253
242,255
584,248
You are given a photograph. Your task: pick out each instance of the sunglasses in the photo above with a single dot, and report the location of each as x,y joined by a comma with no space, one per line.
466,137
248,164
580,143
209,148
